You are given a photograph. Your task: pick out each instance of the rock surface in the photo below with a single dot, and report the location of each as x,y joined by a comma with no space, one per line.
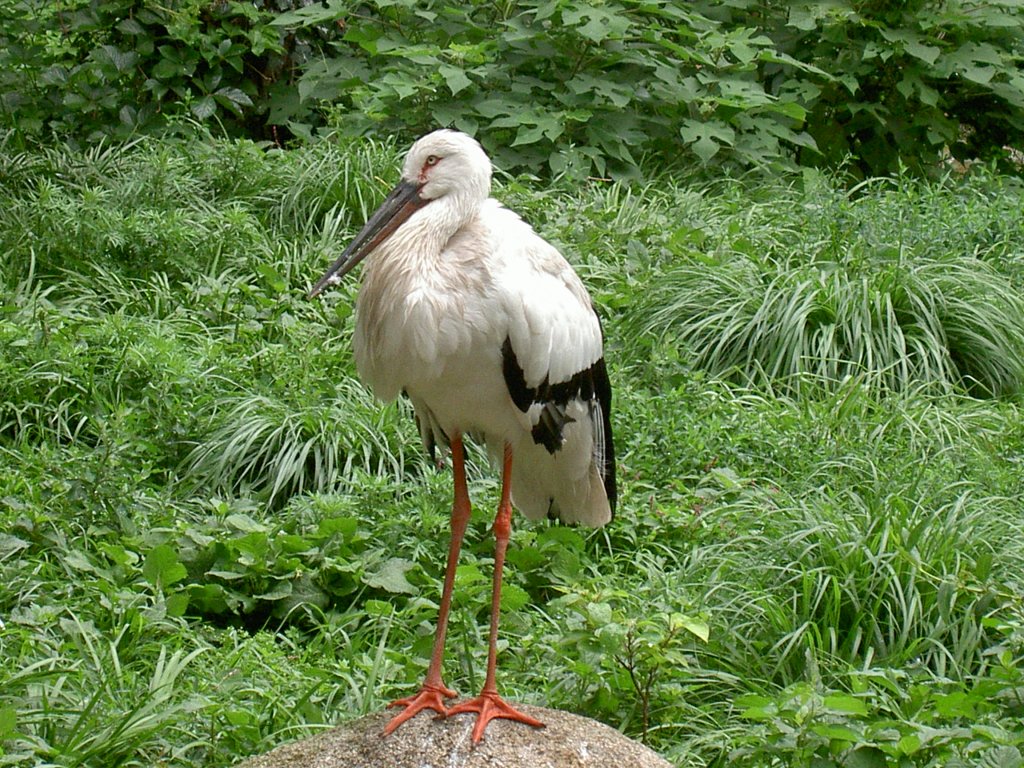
568,741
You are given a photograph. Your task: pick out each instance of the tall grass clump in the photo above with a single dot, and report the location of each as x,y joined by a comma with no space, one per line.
267,445
838,287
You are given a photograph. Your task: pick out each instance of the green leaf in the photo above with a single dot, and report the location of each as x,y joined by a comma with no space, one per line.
162,567
245,523
338,526
455,78
514,598
204,107
980,75
849,705
909,744
926,53
272,277
705,138
391,577
312,14
8,722
837,732
696,627
177,603
802,18
11,544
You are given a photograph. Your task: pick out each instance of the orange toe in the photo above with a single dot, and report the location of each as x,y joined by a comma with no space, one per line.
490,706
429,697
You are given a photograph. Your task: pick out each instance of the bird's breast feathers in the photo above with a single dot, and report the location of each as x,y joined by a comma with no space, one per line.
421,314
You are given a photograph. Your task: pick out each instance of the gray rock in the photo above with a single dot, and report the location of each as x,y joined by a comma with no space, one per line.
568,741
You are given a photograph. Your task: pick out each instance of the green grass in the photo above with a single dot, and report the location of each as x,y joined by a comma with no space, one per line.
213,540
837,285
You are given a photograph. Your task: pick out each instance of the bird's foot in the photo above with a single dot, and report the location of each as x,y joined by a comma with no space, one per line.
429,697
488,706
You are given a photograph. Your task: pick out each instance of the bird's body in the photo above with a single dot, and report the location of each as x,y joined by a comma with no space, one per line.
489,331
432,320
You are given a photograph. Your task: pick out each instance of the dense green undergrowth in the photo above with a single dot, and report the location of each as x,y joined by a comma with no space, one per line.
213,540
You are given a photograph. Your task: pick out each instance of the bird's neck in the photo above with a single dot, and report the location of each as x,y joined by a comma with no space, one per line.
424,235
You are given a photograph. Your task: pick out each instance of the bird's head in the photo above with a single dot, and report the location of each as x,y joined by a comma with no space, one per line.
448,162
444,168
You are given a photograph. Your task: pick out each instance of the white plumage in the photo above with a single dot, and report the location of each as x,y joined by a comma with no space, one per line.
441,295
490,332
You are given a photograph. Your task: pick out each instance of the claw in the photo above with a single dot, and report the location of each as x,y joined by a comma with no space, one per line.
429,697
490,706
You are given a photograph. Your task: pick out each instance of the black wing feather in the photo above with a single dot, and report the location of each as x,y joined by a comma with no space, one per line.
590,386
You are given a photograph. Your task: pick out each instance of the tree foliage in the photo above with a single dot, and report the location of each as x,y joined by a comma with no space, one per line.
85,69
552,86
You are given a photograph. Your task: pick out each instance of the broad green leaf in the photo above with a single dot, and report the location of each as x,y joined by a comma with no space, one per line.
312,14
244,523
528,134
162,567
980,75
695,626
204,107
909,744
391,577
600,613
850,705
11,544
514,597
272,278
802,18
234,95
177,603
705,138
455,78
926,53
338,526
837,732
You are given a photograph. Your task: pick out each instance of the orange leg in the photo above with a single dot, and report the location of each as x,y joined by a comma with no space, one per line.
489,705
433,692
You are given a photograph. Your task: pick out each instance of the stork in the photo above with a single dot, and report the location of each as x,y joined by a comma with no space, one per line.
489,332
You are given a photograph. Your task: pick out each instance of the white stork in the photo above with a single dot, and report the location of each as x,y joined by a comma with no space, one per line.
490,332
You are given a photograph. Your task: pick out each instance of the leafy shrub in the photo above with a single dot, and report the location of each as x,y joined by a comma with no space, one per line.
612,88
906,79
584,87
119,68
565,86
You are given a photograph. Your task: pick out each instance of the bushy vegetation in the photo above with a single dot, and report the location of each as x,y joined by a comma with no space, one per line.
552,86
212,540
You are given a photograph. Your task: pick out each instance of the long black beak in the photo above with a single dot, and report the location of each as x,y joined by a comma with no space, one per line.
403,201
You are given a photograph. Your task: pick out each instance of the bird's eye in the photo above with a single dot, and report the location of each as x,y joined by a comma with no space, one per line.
432,160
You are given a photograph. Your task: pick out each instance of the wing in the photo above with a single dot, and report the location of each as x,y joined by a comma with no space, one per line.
553,354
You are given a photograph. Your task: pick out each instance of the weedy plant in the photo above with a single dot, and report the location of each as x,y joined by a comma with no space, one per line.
212,539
